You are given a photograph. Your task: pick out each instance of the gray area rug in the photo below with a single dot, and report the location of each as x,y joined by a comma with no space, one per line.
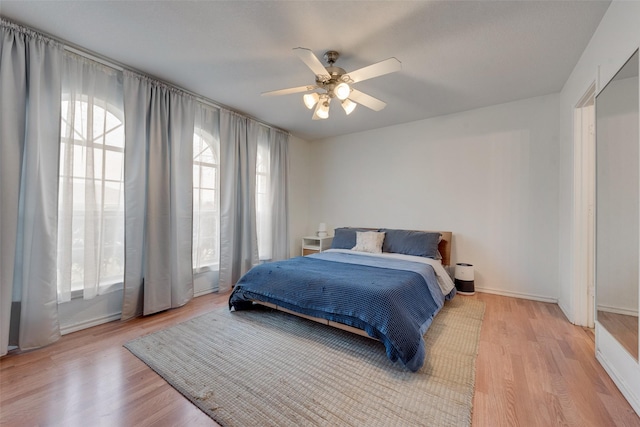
267,368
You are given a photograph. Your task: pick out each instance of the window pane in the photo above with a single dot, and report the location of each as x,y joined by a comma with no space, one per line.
208,251
115,137
78,195
98,131
114,165
208,177
66,123
78,161
77,269
207,200
261,184
207,157
94,165
112,122
263,213
114,196
196,176
198,147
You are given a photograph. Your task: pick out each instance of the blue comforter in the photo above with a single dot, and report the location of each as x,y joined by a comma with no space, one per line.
393,300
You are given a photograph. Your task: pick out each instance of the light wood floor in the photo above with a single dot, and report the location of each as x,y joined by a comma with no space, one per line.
534,369
624,328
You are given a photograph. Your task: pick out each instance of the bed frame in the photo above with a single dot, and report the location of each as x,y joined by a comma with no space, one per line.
445,250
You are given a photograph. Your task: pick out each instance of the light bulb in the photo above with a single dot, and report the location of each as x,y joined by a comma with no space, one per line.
310,99
342,91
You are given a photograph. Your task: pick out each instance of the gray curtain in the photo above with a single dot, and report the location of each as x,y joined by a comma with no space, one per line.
279,186
30,69
238,236
159,125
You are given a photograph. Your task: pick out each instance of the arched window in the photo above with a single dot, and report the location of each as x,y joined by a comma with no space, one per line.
206,218
91,197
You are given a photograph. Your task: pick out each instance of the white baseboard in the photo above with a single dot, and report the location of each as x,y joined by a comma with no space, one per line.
617,310
205,282
565,310
74,327
620,382
517,295
200,292
88,323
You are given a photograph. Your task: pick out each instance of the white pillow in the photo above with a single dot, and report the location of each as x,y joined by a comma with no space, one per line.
369,241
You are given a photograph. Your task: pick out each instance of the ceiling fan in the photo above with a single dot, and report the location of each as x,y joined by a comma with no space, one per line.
337,83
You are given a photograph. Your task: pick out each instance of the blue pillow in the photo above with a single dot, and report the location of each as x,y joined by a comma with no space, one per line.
409,242
345,237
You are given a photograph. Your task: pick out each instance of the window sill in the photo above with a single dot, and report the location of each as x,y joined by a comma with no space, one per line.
103,289
206,269
117,286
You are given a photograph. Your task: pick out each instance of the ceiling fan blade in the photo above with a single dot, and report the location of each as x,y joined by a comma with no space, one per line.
381,68
367,100
312,62
289,90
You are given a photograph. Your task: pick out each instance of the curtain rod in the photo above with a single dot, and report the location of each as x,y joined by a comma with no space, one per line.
79,50
120,67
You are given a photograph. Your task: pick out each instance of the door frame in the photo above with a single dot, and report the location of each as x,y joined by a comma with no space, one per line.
583,292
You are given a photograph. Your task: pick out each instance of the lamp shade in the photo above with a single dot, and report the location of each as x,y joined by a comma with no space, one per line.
310,99
348,106
322,109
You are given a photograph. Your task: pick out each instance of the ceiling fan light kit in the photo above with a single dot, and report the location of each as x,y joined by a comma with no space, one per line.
336,83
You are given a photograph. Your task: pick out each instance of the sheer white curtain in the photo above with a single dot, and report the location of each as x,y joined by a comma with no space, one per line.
238,237
29,141
272,200
159,125
264,195
206,186
91,198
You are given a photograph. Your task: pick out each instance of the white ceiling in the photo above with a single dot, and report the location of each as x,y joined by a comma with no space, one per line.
455,55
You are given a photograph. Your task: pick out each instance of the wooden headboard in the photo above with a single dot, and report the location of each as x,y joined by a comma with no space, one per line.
445,247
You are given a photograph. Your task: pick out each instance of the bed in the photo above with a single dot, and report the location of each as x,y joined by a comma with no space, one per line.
386,284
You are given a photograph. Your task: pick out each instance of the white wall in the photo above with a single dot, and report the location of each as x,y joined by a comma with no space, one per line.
616,38
488,175
79,314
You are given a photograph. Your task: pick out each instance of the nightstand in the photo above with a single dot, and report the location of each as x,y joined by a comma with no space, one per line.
314,244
